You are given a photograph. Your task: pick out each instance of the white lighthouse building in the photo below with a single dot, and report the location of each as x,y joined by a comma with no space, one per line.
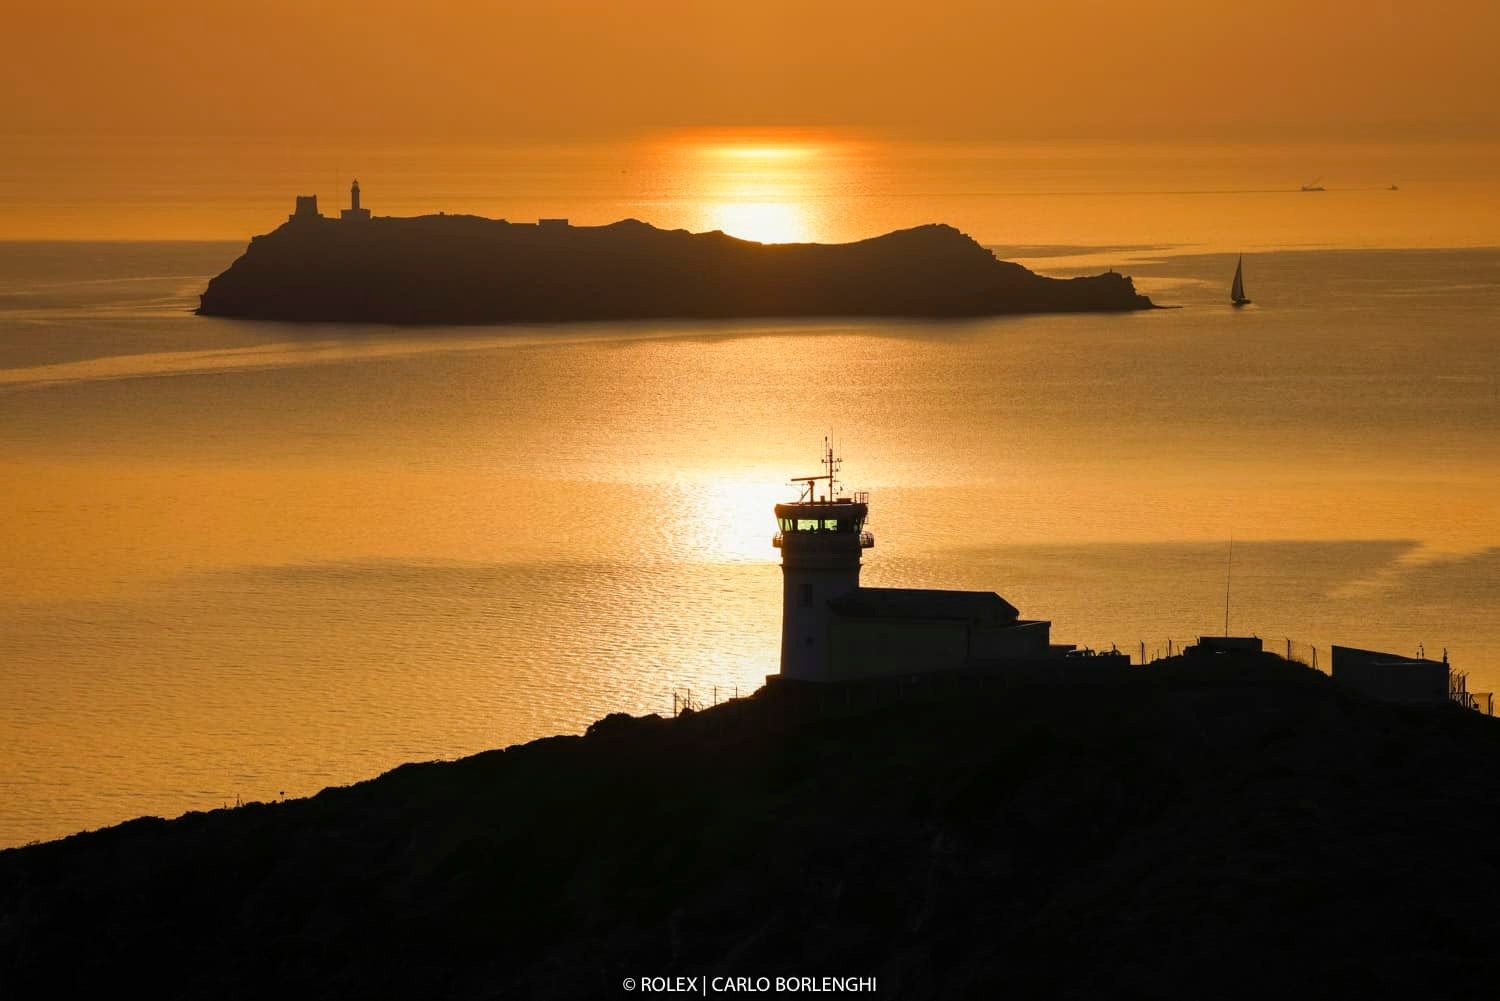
832,629
821,542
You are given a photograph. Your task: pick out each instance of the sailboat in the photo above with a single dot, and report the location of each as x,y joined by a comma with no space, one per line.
1237,290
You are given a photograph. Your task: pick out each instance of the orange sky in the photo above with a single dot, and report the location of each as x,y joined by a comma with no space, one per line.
1333,69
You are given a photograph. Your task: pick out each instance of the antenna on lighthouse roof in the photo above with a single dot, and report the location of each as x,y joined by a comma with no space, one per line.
833,465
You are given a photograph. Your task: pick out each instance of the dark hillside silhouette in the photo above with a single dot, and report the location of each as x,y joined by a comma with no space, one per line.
464,269
1235,826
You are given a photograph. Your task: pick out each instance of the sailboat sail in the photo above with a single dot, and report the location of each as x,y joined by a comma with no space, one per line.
1237,292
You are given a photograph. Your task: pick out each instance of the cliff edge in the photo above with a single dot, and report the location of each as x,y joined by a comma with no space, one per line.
465,269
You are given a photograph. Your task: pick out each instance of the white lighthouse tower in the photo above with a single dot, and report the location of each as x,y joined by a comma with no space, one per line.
821,541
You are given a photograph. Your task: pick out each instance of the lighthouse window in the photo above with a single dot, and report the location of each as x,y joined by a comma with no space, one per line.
846,525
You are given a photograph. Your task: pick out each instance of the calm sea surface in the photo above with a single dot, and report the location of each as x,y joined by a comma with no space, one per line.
242,559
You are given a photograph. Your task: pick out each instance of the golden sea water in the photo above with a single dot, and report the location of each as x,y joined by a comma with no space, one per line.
241,559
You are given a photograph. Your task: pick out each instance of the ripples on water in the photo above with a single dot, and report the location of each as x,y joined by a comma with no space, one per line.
238,558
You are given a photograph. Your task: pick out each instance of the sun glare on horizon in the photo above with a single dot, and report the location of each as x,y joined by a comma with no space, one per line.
764,151
763,222
769,188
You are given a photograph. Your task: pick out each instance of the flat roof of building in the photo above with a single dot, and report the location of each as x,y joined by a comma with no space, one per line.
912,603
821,508
1348,655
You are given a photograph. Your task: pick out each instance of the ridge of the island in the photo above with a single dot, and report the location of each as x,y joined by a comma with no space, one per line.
468,269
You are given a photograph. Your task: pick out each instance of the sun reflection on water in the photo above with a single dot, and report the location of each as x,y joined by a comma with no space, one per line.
732,520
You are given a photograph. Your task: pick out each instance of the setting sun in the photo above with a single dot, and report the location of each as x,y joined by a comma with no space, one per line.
768,186
763,222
